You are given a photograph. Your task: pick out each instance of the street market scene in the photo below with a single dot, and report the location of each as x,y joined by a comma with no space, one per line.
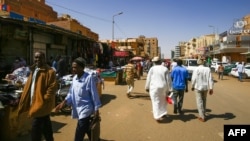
63,79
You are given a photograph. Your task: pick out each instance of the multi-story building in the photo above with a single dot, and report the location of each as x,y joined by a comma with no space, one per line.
39,12
190,48
177,52
31,9
28,31
68,23
180,50
232,45
151,47
141,46
204,45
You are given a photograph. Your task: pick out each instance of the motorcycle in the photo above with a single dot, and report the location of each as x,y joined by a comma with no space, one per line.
64,85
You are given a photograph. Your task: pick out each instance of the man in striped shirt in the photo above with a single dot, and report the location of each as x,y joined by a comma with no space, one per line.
129,76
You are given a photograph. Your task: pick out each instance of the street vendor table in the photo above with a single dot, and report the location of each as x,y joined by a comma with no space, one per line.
11,125
114,76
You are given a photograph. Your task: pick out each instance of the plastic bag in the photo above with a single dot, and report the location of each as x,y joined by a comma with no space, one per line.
169,98
95,128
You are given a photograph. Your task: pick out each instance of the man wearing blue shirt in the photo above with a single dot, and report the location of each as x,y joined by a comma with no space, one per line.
240,69
179,77
83,97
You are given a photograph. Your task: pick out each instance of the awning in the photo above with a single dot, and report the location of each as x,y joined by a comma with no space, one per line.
246,53
233,50
121,53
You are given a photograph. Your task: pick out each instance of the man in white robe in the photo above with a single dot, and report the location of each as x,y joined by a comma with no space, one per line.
158,83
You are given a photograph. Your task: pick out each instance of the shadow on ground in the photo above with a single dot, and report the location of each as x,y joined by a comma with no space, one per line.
187,115
99,140
139,95
225,116
106,98
56,127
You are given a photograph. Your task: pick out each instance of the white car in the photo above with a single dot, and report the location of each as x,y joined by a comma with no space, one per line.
245,75
215,65
190,64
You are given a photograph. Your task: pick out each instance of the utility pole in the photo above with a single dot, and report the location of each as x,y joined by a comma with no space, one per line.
113,22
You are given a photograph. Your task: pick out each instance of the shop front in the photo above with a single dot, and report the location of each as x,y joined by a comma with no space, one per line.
121,57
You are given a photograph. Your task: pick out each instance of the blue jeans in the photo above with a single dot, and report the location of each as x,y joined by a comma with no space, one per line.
178,96
82,128
42,125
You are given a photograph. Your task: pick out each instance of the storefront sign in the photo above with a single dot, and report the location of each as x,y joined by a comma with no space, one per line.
121,53
238,27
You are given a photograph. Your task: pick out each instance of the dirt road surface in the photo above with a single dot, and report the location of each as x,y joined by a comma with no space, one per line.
131,119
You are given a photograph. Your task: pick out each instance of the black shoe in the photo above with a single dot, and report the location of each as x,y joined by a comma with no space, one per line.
175,111
164,116
180,112
161,119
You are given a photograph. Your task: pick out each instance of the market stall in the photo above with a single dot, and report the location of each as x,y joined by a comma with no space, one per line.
113,75
11,123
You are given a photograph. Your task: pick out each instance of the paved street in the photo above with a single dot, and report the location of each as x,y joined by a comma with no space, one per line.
125,119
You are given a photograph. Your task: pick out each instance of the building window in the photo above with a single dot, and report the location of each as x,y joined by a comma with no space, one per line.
238,41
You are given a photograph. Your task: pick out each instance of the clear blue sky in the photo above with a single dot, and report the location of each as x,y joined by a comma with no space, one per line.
171,21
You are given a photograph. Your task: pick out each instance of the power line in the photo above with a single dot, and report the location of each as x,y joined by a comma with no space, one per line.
88,15
120,30
81,13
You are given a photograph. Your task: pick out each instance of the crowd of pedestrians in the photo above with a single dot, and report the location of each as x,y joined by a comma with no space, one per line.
38,97
161,82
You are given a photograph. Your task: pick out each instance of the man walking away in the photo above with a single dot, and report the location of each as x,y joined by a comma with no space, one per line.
179,77
129,76
240,69
158,83
202,83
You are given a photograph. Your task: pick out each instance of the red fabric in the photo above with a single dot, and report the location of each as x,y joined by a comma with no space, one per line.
138,65
169,100
121,53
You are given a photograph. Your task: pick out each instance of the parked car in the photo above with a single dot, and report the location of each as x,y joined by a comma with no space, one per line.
215,65
246,74
190,64
228,68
